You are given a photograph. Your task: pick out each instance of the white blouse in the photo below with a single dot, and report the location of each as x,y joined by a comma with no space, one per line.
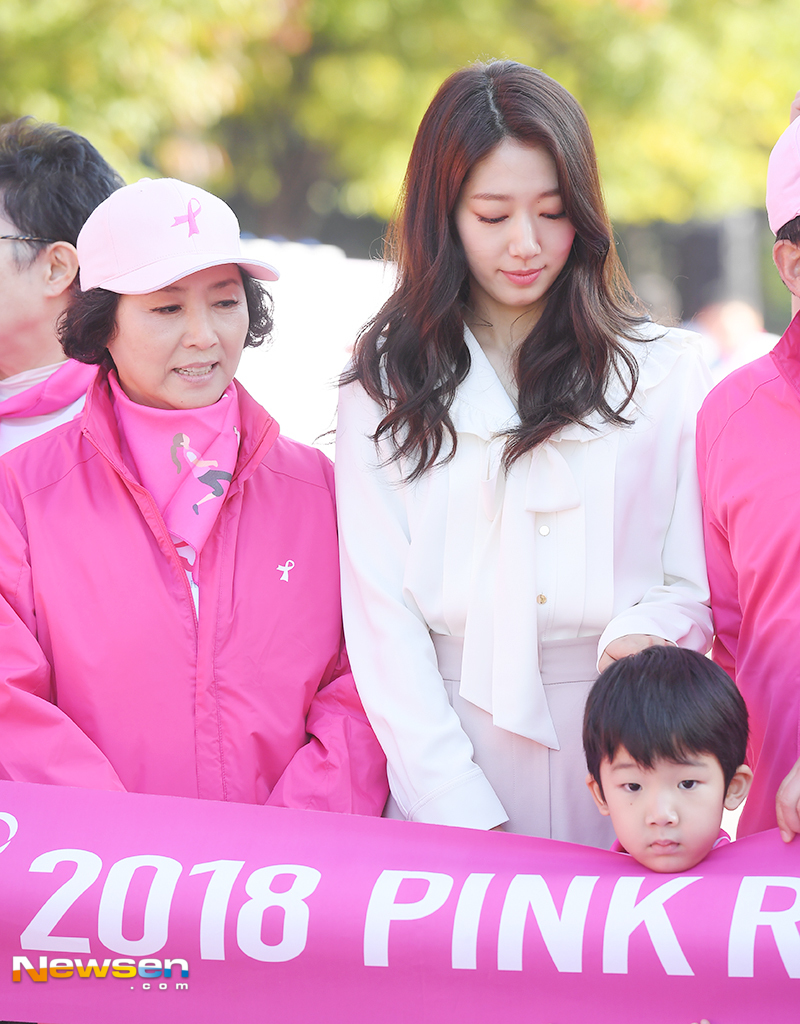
596,532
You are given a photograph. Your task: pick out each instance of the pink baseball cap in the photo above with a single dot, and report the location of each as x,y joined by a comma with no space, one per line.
783,178
149,235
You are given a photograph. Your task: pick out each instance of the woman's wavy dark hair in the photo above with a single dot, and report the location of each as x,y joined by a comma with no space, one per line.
412,357
90,322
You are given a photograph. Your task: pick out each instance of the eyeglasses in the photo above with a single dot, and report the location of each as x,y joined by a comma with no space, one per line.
27,238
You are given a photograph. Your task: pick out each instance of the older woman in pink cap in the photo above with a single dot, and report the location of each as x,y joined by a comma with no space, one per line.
169,588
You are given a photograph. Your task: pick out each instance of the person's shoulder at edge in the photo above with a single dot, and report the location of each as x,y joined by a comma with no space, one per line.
43,458
662,352
300,461
283,455
39,466
662,337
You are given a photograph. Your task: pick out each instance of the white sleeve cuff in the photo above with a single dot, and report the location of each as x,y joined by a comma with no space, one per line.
466,802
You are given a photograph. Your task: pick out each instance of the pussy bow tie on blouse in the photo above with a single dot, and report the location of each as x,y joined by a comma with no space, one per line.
501,661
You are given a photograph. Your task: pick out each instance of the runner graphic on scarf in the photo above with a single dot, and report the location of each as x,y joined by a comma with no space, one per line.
211,478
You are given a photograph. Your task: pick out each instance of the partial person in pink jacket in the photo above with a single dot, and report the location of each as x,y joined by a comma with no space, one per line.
748,438
154,640
51,179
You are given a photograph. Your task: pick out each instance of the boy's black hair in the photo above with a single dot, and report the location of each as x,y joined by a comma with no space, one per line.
665,703
51,179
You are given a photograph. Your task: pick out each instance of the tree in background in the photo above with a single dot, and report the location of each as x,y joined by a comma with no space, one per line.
145,80
302,112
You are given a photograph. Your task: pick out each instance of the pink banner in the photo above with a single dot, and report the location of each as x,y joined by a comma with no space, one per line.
126,908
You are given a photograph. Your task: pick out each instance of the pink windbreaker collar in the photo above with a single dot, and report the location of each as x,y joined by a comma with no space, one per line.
99,426
61,388
786,355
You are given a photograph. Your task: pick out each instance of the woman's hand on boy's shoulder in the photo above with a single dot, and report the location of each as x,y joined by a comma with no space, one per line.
787,805
629,644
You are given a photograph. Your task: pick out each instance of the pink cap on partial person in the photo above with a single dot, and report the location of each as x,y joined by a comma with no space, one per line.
148,235
783,178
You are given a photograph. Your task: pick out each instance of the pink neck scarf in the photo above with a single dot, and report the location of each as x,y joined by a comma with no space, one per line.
61,388
184,457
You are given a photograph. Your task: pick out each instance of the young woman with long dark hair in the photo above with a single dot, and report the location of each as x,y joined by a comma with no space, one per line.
515,467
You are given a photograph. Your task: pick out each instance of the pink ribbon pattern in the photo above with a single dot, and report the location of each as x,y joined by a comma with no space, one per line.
190,217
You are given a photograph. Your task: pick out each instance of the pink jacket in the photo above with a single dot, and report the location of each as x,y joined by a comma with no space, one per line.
107,680
748,439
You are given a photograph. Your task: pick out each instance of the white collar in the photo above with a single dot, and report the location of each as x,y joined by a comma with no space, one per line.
482,406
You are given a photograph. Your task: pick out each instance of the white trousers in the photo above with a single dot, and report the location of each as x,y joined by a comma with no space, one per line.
543,791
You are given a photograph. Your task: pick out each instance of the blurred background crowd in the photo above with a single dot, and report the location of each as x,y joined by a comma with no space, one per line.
301,114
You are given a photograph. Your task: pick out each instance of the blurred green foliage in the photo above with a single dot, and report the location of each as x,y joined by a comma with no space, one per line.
300,109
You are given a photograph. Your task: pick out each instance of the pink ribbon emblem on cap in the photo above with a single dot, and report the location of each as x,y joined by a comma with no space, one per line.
189,217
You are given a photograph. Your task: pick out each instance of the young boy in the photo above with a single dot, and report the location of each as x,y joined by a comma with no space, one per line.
665,735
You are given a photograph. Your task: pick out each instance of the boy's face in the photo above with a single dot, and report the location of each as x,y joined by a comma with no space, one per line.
667,816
